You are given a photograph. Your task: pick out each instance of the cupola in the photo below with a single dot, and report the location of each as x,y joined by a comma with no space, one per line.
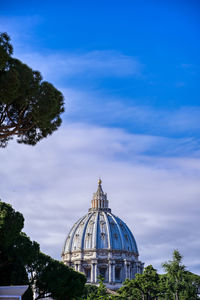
99,200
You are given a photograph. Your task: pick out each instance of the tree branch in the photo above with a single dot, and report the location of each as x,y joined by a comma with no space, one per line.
3,116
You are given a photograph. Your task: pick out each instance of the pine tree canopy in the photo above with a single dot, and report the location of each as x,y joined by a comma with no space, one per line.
30,108
22,263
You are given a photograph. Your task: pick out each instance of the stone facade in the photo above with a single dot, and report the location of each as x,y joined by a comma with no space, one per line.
102,244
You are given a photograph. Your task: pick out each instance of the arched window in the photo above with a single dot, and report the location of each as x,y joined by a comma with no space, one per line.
102,272
118,274
88,273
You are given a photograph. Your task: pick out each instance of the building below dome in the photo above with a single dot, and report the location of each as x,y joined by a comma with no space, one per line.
102,244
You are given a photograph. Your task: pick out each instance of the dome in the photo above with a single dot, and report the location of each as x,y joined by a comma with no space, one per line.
100,230
101,243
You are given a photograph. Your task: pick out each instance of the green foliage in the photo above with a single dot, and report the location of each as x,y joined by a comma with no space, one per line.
144,286
89,292
21,262
129,291
102,291
6,50
180,284
29,107
92,292
176,284
54,278
11,224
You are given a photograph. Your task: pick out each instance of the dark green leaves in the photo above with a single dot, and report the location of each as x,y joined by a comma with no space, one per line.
21,262
11,224
176,284
54,278
6,50
30,108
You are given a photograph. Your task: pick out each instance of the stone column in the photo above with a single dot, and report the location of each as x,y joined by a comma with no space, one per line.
79,267
125,269
92,274
75,266
93,271
113,272
109,271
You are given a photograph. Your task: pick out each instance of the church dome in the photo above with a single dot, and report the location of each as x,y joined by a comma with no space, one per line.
103,239
100,229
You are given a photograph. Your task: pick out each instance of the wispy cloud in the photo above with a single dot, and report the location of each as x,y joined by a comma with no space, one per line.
94,63
21,31
52,185
54,65
187,66
190,68
101,108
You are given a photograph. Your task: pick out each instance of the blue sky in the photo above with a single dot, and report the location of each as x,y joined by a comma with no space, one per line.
129,71
142,54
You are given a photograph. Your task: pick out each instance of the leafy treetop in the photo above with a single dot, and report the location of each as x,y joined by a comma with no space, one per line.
21,262
29,107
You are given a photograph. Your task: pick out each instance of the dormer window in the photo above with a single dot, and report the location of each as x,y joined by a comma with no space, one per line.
103,235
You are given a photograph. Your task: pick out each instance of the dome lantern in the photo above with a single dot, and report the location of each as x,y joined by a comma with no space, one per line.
99,201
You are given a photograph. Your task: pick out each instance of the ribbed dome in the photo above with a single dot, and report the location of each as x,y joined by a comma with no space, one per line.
100,229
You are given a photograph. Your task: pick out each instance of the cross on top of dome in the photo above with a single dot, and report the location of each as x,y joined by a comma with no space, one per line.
99,201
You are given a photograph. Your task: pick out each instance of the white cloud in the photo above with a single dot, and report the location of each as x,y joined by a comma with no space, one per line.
21,31
97,107
55,65
95,63
52,185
